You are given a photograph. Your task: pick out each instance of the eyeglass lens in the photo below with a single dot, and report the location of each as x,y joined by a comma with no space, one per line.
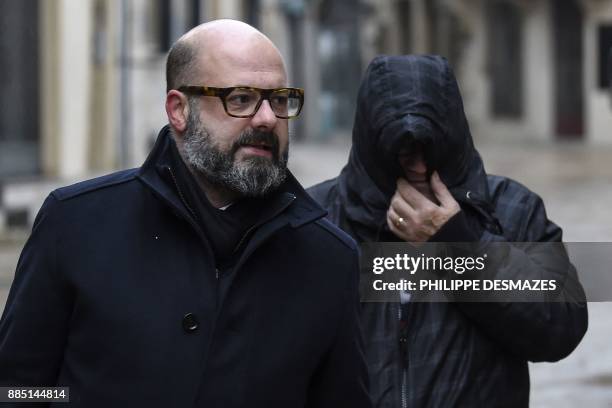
243,102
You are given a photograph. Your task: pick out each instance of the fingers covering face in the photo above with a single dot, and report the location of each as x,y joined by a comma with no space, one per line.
411,195
442,194
422,218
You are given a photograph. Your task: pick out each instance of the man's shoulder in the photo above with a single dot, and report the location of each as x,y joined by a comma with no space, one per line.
322,192
507,191
102,183
335,235
521,212
325,194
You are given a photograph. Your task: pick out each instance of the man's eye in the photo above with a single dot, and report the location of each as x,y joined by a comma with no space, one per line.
279,100
240,99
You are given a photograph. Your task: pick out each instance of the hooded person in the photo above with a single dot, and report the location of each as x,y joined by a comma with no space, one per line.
413,174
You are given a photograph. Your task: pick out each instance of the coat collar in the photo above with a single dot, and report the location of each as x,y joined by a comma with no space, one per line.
300,208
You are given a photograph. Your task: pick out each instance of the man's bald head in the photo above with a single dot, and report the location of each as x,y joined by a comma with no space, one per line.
210,47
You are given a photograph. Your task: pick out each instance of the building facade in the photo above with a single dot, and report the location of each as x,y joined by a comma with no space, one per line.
530,70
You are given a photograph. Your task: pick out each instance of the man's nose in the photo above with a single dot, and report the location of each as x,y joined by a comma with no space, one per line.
264,119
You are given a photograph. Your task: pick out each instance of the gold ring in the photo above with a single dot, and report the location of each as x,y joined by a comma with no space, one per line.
400,222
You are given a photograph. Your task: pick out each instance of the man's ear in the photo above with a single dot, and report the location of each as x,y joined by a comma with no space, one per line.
177,109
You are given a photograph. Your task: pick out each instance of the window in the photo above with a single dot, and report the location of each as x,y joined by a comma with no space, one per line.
195,13
19,81
404,11
251,12
164,37
568,64
504,58
340,62
605,56
175,17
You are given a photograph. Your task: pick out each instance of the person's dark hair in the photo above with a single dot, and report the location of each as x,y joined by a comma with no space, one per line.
180,65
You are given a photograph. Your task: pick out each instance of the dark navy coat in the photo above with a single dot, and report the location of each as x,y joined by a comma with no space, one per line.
116,296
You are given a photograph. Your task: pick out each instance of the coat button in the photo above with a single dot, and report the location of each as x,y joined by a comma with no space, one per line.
190,323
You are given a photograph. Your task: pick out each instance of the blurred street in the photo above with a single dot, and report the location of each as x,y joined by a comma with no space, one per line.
575,182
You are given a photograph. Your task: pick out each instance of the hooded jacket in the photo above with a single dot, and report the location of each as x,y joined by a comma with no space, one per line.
116,296
445,354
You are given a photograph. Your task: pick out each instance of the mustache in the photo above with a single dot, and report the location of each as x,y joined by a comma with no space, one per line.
257,137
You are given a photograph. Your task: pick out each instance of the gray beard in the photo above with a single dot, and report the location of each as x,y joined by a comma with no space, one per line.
252,177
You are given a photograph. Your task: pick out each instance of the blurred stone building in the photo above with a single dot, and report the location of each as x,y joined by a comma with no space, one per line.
83,80
84,85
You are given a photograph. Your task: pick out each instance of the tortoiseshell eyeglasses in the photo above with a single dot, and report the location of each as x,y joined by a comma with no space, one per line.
244,101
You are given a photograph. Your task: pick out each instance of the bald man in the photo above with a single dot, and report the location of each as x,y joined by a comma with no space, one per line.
205,278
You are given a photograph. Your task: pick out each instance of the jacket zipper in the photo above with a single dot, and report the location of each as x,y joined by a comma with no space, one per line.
403,343
402,339
404,380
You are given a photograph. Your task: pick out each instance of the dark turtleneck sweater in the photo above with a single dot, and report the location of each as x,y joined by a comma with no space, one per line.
225,230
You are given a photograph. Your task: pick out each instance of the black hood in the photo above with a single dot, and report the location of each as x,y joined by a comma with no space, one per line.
403,100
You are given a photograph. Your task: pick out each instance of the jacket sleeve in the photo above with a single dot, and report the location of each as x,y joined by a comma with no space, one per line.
35,319
342,378
551,328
